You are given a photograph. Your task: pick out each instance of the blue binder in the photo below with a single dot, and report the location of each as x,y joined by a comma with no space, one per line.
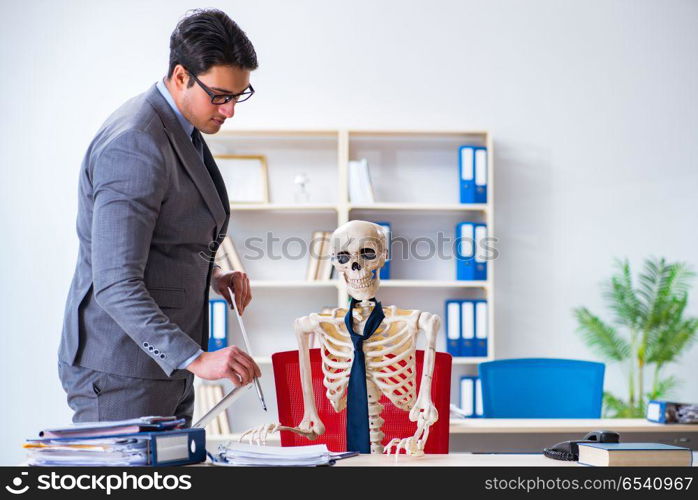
217,324
453,327
472,167
466,170
467,328
481,328
468,395
480,175
479,412
385,270
471,264
180,447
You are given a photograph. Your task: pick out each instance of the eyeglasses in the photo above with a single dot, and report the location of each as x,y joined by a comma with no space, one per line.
219,99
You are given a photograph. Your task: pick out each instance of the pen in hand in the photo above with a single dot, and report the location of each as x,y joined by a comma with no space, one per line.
247,346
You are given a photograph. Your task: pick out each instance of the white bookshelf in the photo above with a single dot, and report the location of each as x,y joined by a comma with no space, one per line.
415,179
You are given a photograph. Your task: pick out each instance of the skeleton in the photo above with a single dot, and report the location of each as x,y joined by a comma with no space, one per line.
358,251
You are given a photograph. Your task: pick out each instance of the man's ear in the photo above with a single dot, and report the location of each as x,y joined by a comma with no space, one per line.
180,77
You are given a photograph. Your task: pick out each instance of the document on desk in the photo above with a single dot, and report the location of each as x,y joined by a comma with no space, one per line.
241,454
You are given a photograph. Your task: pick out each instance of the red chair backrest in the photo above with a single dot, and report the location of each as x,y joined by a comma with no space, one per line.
289,397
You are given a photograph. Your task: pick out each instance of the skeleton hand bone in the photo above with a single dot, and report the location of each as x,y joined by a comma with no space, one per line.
308,428
259,435
425,414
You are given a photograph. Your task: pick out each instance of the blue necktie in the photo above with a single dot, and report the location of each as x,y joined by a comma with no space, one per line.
358,434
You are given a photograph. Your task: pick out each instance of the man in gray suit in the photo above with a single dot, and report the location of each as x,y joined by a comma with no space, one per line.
152,212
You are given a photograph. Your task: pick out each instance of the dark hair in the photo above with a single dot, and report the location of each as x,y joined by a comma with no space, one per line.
208,37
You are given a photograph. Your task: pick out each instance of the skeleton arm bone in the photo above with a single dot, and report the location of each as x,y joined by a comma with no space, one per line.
310,426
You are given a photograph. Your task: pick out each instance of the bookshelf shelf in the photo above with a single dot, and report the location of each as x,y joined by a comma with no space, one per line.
459,360
406,207
263,207
392,283
292,284
433,284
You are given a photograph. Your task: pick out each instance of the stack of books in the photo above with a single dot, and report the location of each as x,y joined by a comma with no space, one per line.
319,263
142,441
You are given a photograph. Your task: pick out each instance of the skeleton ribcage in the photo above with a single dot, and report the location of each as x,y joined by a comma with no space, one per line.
389,352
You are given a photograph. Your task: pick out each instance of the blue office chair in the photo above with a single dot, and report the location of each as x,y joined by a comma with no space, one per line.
541,388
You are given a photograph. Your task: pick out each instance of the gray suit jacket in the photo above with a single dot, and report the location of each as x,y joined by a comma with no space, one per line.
150,219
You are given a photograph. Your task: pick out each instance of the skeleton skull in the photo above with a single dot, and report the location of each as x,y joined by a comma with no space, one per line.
358,251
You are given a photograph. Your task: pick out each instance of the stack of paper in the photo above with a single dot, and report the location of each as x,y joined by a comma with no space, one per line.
246,454
99,452
139,441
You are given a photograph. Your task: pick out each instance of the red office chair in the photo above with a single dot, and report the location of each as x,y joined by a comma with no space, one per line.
289,397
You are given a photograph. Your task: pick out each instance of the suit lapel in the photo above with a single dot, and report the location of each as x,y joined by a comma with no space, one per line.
190,159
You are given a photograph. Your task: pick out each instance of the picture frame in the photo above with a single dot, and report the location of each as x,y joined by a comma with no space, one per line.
246,178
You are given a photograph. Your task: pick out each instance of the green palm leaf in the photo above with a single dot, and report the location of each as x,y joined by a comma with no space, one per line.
671,340
600,337
658,284
663,388
621,297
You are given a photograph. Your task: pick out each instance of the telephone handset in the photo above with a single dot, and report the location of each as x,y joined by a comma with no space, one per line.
568,450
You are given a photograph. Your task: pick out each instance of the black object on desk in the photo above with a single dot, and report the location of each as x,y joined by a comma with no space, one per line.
569,450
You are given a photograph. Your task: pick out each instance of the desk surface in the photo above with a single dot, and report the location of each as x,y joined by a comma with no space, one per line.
454,460
462,460
555,425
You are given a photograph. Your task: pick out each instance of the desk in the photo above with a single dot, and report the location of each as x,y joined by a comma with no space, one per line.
462,460
523,435
455,460
526,435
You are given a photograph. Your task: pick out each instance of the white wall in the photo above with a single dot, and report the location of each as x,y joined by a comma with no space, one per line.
592,104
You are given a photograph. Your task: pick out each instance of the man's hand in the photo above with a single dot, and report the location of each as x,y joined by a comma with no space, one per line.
238,282
229,362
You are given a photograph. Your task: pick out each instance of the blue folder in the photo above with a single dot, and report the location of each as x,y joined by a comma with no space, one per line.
471,264
468,395
467,323
217,324
453,327
385,270
472,168
481,328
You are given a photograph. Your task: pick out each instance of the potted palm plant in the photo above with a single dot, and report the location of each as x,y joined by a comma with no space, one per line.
647,332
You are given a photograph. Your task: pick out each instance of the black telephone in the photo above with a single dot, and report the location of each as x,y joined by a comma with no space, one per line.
568,450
